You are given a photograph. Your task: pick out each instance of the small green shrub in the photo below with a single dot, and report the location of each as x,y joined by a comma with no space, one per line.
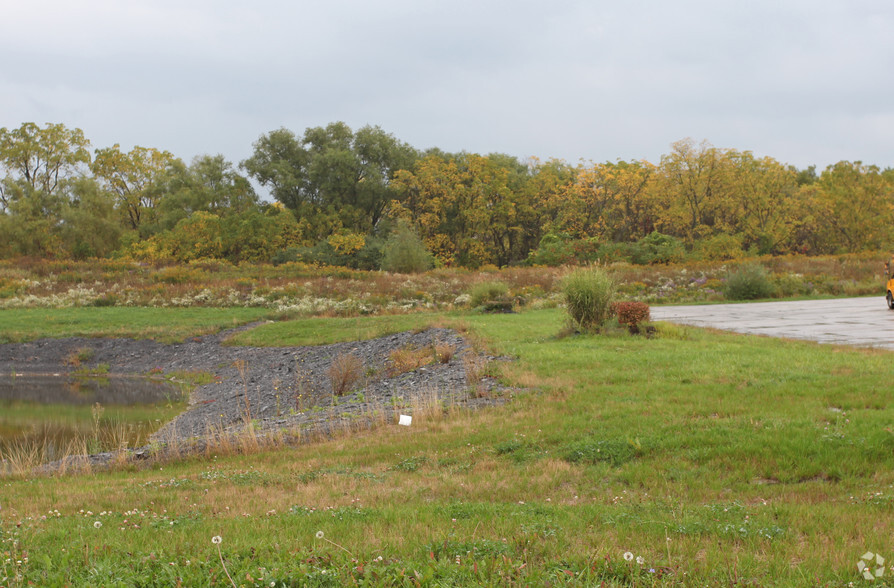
367,257
488,291
657,248
288,255
108,299
615,252
788,285
560,249
748,282
588,296
404,252
79,356
9,288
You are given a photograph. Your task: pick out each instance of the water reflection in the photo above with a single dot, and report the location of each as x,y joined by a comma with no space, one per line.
66,389
48,416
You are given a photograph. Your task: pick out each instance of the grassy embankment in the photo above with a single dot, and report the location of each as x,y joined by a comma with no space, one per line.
162,324
715,458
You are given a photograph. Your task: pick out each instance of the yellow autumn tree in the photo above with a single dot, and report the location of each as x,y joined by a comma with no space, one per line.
696,196
765,190
465,198
610,201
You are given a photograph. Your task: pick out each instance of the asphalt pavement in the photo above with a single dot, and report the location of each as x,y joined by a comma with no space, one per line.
864,322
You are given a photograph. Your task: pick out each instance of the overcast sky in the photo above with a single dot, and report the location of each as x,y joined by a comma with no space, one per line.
806,82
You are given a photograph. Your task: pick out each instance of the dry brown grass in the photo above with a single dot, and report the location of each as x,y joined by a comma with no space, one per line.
443,352
146,284
219,440
28,459
18,460
476,368
407,359
426,406
344,373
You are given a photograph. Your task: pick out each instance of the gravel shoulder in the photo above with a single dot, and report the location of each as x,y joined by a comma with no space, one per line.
276,389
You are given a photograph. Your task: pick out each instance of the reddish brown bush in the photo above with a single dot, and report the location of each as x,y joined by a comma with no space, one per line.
631,313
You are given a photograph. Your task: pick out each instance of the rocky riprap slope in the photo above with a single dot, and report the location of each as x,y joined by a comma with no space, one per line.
276,389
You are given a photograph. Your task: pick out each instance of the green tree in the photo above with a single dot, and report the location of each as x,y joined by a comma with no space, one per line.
256,235
198,236
466,206
39,162
807,175
539,211
610,201
39,166
332,177
209,184
90,226
29,230
278,163
135,179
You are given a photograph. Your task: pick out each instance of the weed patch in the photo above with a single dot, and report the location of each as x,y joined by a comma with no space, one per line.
454,550
411,464
616,452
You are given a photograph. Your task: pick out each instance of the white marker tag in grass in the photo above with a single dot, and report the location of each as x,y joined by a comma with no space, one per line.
405,420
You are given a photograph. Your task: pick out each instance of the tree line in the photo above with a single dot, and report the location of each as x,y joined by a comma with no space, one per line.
366,199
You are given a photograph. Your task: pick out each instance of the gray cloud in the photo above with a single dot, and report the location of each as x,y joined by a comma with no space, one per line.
805,82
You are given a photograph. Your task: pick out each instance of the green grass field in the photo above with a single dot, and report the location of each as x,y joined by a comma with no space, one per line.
692,458
163,324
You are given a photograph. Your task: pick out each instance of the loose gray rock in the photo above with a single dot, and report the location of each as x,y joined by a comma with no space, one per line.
278,390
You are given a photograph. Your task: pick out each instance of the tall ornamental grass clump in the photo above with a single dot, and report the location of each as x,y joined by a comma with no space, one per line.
588,297
748,282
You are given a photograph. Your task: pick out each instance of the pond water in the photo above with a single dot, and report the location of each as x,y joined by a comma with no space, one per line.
48,416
